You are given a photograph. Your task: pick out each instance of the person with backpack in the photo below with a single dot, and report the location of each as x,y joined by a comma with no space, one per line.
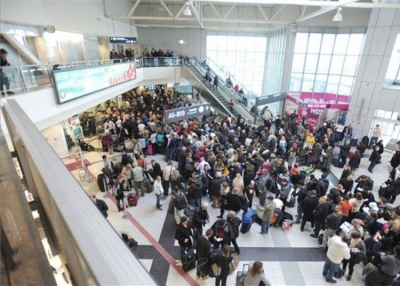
203,247
200,218
223,233
235,223
180,205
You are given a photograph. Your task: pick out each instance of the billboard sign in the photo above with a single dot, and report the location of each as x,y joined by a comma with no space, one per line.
75,83
178,114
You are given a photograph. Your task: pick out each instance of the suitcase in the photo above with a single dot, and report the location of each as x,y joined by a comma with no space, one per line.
132,199
291,203
149,150
241,275
336,161
101,182
188,259
354,141
287,216
245,227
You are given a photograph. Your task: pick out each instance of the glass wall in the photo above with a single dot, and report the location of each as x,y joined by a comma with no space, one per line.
274,62
326,61
241,55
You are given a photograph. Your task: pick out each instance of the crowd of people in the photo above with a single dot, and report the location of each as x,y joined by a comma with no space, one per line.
257,172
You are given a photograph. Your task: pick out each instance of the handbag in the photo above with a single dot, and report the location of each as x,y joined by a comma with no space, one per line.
292,202
234,263
368,269
216,270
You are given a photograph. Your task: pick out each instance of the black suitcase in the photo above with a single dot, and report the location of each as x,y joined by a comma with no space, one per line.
188,260
245,227
101,182
287,216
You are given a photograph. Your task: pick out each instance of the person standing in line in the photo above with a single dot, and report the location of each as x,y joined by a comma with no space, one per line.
3,77
338,249
332,223
156,169
375,158
224,263
137,173
308,207
376,133
235,223
200,218
323,209
167,172
388,271
158,191
267,214
203,246
101,205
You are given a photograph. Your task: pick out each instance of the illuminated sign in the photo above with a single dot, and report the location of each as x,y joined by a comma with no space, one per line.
178,114
75,83
123,40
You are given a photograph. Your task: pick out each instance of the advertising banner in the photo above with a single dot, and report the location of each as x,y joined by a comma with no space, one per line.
178,114
75,83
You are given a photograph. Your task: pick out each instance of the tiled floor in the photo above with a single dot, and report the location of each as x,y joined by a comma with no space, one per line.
290,257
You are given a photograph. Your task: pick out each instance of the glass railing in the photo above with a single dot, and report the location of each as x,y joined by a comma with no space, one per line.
22,79
228,90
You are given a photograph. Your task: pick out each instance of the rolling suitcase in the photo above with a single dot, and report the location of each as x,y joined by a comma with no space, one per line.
149,150
132,199
188,260
245,227
101,182
336,161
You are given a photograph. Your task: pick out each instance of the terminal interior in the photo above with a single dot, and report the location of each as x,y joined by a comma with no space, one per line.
89,87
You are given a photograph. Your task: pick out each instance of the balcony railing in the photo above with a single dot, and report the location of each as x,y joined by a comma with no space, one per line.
22,79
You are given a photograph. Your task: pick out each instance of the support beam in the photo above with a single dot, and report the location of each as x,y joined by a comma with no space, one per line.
180,10
229,11
323,11
303,11
366,5
215,10
195,13
166,8
119,7
262,12
205,27
277,12
134,8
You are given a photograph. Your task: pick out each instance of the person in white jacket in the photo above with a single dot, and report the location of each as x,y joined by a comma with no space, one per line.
338,249
158,190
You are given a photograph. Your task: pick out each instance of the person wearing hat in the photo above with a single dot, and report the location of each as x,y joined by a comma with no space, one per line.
184,234
3,78
266,214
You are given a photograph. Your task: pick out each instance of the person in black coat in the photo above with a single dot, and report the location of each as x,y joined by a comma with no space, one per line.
223,233
156,169
354,162
235,223
224,262
375,158
347,184
323,185
346,172
101,205
320,213
203,246
234,202
200,218
216,188
125,159
395,161
344,151
184,234
308,207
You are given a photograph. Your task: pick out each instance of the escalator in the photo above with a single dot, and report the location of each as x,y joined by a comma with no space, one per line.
219,98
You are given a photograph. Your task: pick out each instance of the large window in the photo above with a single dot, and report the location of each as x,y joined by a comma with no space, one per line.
243,57
275,61
393,72
326,62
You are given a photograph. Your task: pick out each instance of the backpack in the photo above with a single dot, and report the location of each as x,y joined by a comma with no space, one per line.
160,138
180,202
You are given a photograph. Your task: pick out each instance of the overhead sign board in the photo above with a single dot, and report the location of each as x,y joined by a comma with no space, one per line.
178,114
75,83
123,40
266,99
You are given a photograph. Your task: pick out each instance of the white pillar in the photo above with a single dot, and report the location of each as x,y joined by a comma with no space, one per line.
56,138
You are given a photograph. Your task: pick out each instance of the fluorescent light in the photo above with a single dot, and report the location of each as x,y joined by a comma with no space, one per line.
187,11
181,42
338,17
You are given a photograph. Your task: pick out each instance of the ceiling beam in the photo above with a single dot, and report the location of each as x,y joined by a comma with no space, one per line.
119,7
180,10
323,11
205,27
262,13
134,8
166,8
229,11
195,13
194,19
277,12
303,11
366,5
215,10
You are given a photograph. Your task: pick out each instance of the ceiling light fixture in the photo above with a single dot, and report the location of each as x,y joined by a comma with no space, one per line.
187,12
338,17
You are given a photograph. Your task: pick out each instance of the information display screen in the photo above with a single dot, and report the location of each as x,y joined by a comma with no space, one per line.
123,40
178,114
76,83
